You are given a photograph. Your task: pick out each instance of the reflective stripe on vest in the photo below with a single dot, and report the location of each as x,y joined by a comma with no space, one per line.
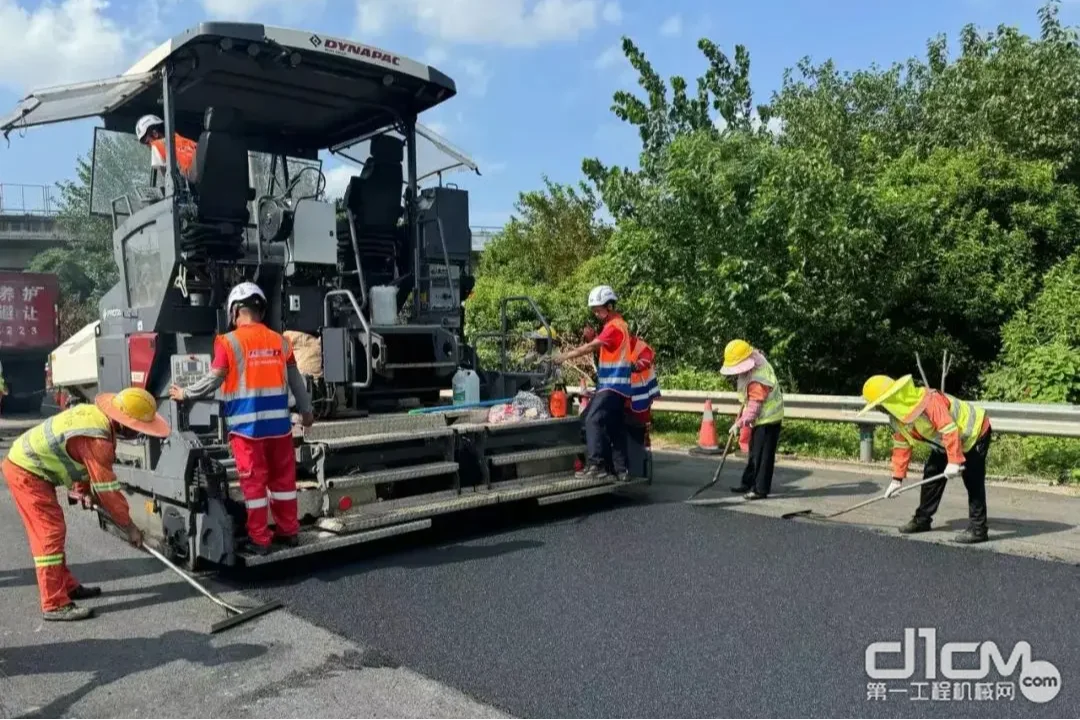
968,419
615,367
185,151
42,450
643,385
772,410
256,388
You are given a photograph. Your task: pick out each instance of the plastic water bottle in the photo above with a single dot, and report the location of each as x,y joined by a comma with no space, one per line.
466,386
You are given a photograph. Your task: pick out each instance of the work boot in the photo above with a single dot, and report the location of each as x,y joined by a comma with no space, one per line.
622,476
84,592
741,489
915,525
287,540
68,613
971,536
754,495
592,472
257,549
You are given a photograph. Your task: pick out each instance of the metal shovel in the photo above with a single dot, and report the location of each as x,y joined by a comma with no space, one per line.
816,516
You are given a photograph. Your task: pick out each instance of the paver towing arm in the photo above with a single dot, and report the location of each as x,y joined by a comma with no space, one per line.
378,281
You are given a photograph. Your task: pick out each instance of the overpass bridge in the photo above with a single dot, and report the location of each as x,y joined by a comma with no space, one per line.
27,223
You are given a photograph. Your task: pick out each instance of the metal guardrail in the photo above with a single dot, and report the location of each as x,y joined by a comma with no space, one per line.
1012,418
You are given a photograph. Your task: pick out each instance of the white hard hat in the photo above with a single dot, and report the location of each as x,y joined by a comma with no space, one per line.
145,123
244,291
601,295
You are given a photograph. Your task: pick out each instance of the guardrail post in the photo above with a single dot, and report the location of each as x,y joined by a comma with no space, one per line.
866,443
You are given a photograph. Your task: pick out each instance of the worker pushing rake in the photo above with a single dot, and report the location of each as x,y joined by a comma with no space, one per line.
957,432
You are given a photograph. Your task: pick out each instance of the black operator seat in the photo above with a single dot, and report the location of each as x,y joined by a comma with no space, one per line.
374,196
221,169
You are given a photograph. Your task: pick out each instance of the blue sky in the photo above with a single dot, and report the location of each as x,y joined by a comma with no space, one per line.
535,77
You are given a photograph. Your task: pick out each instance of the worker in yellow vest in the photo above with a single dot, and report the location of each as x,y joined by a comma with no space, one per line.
958,434
65,450
760,416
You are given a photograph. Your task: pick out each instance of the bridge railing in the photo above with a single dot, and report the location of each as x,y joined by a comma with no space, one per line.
16,199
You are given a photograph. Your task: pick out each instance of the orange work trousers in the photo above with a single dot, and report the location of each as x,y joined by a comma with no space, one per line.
45,527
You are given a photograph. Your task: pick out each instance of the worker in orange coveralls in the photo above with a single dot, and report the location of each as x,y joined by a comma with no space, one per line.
65,450
958,434
255,368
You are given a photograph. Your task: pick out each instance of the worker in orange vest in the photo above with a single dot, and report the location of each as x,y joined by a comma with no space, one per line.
150,130
65,450
255,369
605,422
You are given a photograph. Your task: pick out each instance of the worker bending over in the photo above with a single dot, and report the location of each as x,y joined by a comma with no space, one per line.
150,130
255,368
604,420
67,449
760,415
958,434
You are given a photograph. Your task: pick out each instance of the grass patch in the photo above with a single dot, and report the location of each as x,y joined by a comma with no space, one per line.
1053,459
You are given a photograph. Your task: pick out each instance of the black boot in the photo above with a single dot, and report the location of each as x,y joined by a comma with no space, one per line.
915,525
971,536
287,540
741,489
84,592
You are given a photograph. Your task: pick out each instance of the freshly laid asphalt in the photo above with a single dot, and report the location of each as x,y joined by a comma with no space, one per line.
650,607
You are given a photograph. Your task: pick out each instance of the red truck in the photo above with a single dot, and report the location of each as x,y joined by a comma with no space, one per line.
29,331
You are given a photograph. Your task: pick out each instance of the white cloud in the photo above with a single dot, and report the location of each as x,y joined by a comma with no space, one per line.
478,76
509,23
672,27
612,13
290,10
614,59
59,43
610,58
337,179
436,55
373,17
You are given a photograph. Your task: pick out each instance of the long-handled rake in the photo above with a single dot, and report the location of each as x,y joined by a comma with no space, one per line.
810,514
237,616
716,475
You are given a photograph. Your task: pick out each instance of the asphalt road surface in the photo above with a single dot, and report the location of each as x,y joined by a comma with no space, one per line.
650,607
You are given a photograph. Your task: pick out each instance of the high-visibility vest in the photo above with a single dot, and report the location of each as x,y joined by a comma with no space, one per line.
643,385
185,151
256,387
42,450
967,418
772,410
615,366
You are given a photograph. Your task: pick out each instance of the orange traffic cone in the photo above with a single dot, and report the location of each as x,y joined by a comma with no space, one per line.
707,444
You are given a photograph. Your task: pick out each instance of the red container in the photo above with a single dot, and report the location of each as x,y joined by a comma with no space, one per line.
558,403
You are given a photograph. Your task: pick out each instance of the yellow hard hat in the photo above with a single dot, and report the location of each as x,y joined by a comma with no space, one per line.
542,334
879,388
736,354
134,408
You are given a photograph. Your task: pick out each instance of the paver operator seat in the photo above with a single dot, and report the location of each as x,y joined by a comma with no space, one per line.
221,186
373,200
